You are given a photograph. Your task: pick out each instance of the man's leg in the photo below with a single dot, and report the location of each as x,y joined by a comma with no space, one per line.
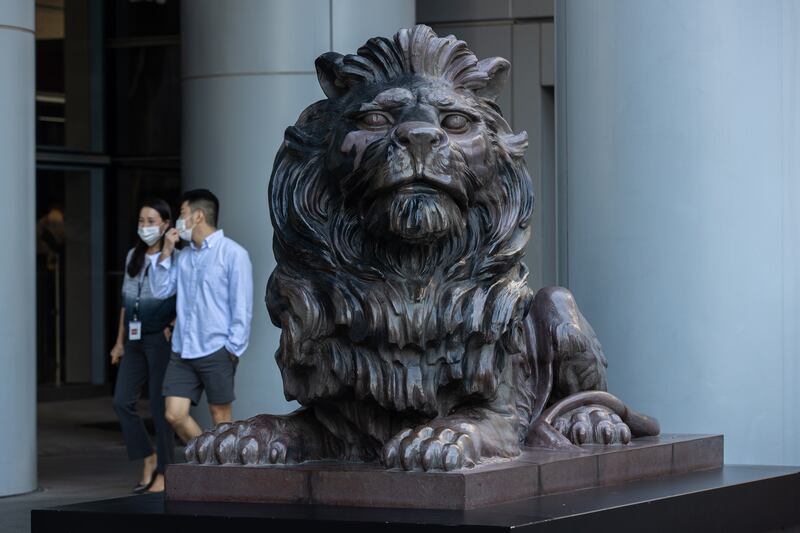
218,373
177,414
182,387
220,412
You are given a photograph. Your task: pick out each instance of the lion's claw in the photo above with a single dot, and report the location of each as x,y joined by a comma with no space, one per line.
256,441
593,424
428,448
248,450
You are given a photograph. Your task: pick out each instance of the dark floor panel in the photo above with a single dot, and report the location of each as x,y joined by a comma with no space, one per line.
731,499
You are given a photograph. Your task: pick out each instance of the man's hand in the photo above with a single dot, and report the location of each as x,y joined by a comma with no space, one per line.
170,239
116,353
168,333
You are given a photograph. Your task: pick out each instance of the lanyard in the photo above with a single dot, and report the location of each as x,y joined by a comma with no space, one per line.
139,293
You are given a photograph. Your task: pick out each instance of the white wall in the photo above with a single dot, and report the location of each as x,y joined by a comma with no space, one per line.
679,166
17,269
248,73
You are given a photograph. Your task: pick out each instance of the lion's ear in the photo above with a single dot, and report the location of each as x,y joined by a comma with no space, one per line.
328,67
515,144
497,70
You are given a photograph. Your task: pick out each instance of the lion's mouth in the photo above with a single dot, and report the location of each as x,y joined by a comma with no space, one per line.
417,187
420,184
416,211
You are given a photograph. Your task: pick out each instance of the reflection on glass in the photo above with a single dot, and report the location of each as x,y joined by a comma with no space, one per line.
140,18
63,95
64,276
146,100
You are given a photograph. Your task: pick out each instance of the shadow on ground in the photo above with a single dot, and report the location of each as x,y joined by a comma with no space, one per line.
81,457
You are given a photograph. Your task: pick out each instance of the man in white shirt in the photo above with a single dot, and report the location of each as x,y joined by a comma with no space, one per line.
213,279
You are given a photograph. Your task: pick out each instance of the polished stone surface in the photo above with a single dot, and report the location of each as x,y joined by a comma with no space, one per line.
536,472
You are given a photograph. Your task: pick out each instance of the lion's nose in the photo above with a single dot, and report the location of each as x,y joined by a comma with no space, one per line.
419,135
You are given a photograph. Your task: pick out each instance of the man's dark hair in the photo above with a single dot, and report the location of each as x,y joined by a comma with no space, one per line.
205,201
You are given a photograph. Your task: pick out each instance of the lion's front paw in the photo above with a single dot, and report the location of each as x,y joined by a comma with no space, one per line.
432,448
593,424
263,439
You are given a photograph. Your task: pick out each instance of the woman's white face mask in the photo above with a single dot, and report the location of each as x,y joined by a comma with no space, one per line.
150,234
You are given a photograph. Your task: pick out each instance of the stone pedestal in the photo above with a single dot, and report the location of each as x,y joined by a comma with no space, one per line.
534,473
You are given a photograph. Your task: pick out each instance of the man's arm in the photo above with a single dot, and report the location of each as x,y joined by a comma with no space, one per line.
164,269
240,300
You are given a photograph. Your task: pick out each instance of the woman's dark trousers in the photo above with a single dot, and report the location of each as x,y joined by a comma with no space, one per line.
145,361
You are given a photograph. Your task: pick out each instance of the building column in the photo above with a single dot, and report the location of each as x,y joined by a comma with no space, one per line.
18,267
248,72
679,177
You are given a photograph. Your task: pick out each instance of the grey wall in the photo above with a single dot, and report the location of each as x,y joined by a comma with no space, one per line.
679,159
522,32
18,268
248,72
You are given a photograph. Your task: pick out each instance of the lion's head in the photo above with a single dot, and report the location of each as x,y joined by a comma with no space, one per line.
400,206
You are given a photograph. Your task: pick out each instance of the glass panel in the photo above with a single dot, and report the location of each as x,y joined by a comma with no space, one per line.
138,18
146,100
68,257
63,71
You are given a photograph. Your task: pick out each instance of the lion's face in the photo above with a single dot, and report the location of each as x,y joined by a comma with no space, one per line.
410,158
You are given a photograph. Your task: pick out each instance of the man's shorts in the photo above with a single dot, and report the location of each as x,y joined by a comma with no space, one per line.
186,378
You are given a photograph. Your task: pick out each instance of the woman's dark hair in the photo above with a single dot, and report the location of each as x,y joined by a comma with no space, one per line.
137,259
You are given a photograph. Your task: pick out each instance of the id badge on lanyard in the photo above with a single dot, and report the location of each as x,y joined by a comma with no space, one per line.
135,325
134,330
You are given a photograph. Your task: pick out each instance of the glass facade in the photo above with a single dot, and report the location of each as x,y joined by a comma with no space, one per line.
108,137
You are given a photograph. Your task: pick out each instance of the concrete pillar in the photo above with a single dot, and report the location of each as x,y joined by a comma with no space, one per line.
248,72
18,268
679,173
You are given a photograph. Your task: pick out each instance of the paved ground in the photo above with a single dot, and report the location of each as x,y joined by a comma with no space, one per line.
81,457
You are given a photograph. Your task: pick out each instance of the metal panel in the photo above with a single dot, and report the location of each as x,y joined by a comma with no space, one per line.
18,267
355,21
532,8
533,112
683,210
547,55
98,293
430,11
18,14
486,40
266,36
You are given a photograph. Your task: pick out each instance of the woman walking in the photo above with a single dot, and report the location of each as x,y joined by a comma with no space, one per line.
142,351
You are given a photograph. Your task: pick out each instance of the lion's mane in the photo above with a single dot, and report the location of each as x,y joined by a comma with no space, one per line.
359,318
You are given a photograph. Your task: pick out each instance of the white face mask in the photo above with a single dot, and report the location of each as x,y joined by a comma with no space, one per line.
150,234
185,233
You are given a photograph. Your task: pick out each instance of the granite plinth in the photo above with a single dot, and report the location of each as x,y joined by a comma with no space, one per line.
535,473
730,499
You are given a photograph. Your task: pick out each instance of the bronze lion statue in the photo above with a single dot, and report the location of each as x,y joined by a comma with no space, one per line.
401,210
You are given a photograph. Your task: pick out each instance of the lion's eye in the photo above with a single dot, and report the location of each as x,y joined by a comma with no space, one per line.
455,123
375,120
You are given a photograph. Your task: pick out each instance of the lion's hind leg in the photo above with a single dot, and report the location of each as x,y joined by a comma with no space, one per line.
592,417
566,339
580,409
